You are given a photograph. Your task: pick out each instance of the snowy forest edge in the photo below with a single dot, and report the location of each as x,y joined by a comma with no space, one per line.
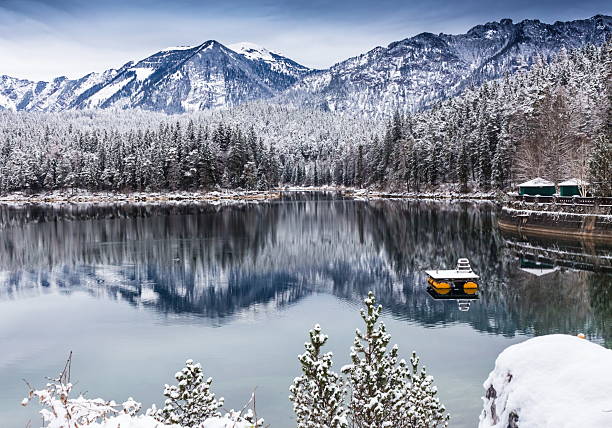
551,121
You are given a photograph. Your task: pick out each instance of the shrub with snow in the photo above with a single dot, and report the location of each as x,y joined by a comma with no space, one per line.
190,404
61,411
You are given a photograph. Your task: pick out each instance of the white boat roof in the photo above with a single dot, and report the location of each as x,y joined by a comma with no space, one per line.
537,182
451,274
573,182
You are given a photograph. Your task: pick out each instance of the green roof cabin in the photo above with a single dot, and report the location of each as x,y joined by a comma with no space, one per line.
537,187
572,187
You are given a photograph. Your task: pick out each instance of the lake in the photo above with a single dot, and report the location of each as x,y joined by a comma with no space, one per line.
133,290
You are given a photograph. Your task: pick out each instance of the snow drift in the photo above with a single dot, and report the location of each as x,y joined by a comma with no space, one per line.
550,381
126,421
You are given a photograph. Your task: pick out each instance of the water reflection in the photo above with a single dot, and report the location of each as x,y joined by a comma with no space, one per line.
216,261
462,297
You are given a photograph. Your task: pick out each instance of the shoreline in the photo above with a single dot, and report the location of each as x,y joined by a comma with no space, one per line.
87,197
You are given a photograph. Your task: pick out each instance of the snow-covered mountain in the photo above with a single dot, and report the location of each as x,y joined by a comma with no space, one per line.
416,72
407,75
174,80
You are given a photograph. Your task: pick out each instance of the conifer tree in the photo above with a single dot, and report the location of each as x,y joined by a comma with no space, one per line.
190,402
426,409
380,383
318,395
601,167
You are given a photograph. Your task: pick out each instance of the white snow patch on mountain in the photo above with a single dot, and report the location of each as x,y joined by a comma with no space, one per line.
106,92
252,51
143,73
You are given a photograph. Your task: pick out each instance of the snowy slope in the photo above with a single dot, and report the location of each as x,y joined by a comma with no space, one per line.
274,60
550,381
415,73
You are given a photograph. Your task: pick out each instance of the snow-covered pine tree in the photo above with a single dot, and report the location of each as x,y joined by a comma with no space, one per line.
427,411
600,167
318,395
502,160
380,384
190,402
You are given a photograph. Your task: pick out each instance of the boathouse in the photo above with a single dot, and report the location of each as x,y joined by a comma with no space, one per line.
537,186
572,187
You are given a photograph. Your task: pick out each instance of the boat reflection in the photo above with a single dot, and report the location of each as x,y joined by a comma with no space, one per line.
464,297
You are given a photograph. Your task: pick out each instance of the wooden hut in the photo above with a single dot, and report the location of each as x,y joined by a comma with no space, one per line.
538,186
572,187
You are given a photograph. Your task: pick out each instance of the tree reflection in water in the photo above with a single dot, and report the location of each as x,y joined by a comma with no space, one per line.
215,261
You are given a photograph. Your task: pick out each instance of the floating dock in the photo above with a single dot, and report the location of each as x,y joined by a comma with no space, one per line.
462,277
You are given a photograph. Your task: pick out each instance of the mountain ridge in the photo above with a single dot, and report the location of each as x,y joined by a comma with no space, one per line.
409,74
414,73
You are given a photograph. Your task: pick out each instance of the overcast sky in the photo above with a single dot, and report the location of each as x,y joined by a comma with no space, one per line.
41,39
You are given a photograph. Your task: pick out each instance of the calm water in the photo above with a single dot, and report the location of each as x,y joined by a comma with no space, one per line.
134,290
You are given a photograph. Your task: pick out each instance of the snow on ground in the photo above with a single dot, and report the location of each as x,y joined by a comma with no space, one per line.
85,196
126,421
224,423
550,381
557,214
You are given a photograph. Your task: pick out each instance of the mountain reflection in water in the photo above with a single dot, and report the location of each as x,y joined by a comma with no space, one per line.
216,261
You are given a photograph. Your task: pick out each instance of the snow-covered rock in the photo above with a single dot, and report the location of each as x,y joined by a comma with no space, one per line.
550,381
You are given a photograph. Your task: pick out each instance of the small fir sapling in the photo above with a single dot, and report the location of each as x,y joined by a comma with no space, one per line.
191,401
318,395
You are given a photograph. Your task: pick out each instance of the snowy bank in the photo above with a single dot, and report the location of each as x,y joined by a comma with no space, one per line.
127,421
85,196
441,194
550,381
